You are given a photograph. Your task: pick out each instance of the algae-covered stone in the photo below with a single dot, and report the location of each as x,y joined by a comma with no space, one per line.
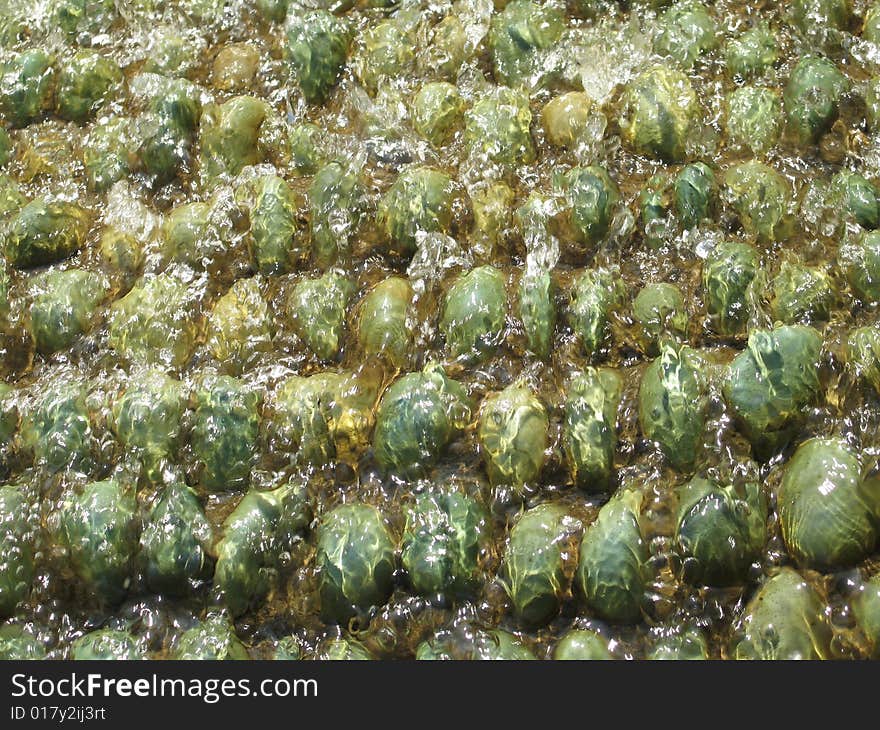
858,196
612,570
719,530
18,644
355,560
157,321
802,294
288,648
239,328
871,24
498,127
513,434
761,197
385,50
784,620
581,645
56,428
26,86
224,433
694,190
437,111
474,313
812,15
317,308
660,111
106,155
192,233
827,511
306,148
6,146
519,38
589,433
261,526
18,532
681,644
728,273
592,196
171,120
534,566
211,640
121,252
85,82
859,259
99,528
383,328
147,415
334,202
63,306
46,231
299,421
686,31
316,49
105,645
447,48
230,135
866,609
276,243
772,381
176,542
595,294
419,415
812,98
862,354
659,310
420,200
672,403
536,308
752,52
754,117
343,650
468,644
444,539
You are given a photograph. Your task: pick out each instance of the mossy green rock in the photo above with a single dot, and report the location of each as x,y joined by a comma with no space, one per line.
812,98
784,620
419,415
612,570
63,306
44,232
420,200
672,404
533,569
719,531
827,511
513,433
99,528
660,110
589,433
224,435
17,548
474,313
445,537
728,273
356,561
768,384
317,308
859,259
85,81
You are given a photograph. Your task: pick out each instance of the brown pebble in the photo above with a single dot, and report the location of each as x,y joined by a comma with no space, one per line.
235,67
